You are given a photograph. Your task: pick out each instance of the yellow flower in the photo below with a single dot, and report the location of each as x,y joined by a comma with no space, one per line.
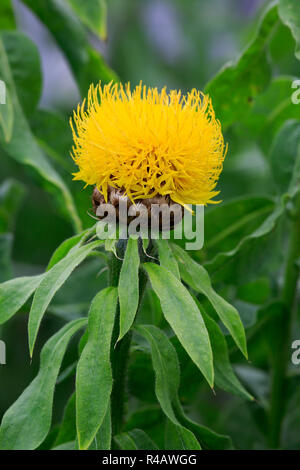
145,142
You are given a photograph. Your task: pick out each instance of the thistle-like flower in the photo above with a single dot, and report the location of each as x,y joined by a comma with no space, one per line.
147,144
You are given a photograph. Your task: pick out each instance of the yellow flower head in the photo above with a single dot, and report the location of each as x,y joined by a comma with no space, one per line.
147,143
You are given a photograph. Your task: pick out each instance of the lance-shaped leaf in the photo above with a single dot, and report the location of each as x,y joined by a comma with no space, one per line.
27,422
289,12
86,63
228,223
94,375
197,277
25,67
67,429
54,135
271,109
208,438
14,293
103,437
63,249
92,13
66,446
225,377
285,158
50,284
166,367
167,258
183,315
67,245
176,439
17,141
129,286
239,239
250,254
136,439
246,78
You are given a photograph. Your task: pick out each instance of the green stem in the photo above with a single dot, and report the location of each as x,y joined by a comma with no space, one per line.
119,354
120,350
120,358
285,326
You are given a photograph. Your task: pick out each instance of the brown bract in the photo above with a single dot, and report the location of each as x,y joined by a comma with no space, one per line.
143,207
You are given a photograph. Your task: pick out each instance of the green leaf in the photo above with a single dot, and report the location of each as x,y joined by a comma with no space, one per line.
7,17
285,158
110,245
65,247
142,439
197,277
74,298
129,286
65,446
86,64
270,110
257,380
50,284
249,257
94,375
19,143
102,439
208,439
150,311
225,377
176,439
228,223
183,315
93,13
24,62
244,79
166,367
125,442
54,136
14,293
67,429
6,111
166,257
134,440
289,12
27,422
165,364
149,418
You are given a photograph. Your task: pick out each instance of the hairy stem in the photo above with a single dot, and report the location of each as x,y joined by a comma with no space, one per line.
285,325
120,350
